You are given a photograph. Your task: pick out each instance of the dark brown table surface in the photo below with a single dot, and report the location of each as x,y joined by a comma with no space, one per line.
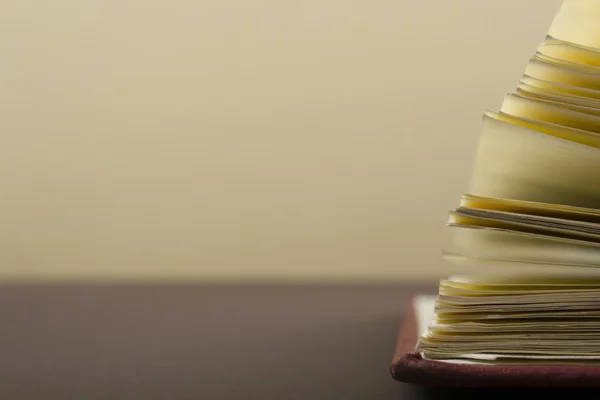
202,342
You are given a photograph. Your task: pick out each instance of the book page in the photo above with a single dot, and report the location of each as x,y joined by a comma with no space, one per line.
510,157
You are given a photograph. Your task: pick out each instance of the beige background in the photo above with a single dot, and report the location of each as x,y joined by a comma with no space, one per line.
245,140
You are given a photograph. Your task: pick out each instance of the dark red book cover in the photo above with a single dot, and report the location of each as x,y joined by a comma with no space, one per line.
409,367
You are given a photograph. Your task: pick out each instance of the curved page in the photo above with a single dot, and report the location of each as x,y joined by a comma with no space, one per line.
501,244
518,163
576,22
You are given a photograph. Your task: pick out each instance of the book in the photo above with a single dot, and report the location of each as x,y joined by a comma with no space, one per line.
522,303
410,366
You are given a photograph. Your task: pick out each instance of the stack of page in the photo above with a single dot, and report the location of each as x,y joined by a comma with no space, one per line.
526,235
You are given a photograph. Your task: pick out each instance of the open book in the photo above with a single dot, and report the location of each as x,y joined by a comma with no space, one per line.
525,237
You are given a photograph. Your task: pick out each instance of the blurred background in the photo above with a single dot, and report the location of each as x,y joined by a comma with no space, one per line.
234,140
